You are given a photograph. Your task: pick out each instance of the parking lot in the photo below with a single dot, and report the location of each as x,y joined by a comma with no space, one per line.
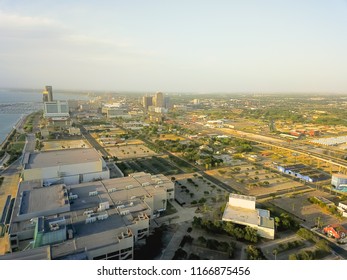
252,180
130,151
192,190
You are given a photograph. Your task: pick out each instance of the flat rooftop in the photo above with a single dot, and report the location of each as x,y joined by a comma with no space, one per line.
240,215
92,241
85,200
42,199
241,196
40,253
62,157
339,175
246,216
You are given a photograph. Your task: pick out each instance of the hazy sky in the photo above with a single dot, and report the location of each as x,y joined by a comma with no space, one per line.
175,46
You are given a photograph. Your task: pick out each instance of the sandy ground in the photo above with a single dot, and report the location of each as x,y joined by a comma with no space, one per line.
58,145
130,151
172,137
243,180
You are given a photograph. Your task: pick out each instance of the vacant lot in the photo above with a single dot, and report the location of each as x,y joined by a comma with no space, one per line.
172,137
130,151
64,144
252,180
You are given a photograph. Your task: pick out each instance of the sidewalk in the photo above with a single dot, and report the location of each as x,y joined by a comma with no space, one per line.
182,215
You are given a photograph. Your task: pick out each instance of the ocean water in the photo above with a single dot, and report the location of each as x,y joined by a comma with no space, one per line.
15,103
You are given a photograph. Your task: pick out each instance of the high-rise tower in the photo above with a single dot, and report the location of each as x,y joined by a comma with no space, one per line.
45,96
159,99
49,93
147,101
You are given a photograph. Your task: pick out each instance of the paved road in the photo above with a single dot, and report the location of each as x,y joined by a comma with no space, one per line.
334,247
93,142
30,143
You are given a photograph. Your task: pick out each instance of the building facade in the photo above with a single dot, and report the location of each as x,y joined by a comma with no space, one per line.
339,180
70,166
56,109
241,209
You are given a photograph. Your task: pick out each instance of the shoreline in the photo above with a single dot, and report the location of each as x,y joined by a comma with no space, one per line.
17,125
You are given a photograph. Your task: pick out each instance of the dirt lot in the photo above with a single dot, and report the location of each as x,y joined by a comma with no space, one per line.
172,137
58,145
252,181
130,151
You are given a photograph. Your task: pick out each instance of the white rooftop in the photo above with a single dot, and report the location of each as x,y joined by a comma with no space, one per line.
62,157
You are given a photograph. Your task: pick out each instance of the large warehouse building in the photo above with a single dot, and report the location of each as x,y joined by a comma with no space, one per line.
304,172
70,166
92,220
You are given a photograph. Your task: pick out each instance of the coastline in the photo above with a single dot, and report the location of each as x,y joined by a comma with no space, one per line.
18,124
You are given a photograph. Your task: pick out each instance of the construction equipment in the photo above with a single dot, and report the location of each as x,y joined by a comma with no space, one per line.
337,231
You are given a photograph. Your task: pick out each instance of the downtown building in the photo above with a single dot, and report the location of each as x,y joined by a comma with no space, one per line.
93,220
55,112
157,103
47,94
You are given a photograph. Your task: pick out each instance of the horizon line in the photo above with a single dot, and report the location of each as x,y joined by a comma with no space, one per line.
107,91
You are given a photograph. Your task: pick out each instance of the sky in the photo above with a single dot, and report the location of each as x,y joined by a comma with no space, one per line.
175,46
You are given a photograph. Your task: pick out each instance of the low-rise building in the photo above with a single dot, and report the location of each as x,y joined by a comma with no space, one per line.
74,131
304,172
339,180
241,209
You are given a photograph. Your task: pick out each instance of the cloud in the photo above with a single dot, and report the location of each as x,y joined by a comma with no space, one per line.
33,49
14,26
84,39
16,21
